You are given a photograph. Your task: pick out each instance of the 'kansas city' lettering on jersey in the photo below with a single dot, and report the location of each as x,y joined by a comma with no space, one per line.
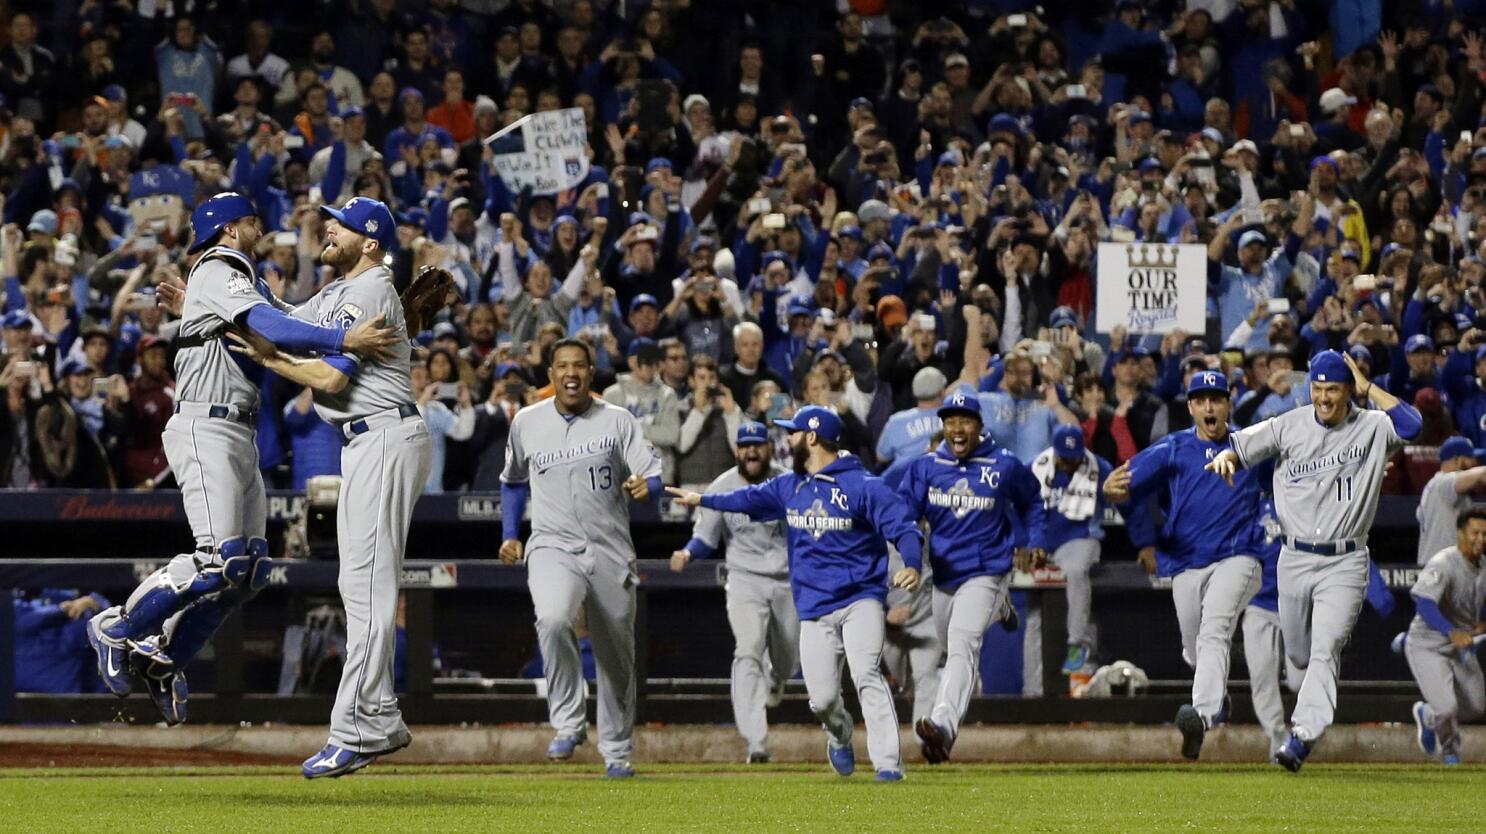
961,499
601,444
817,521
1299,469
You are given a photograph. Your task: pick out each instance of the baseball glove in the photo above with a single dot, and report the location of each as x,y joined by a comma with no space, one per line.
429,293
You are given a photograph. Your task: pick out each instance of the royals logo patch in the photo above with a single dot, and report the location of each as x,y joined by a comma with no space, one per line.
346,316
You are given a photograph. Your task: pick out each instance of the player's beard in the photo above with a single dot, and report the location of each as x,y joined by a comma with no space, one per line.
800,454
338,258
754,467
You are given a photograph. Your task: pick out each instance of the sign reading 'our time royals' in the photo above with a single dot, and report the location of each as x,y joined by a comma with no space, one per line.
1152,287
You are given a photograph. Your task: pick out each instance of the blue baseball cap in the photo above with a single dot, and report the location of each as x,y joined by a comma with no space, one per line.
350,111
1207,381
800,307
74,366
821,420
1418,341
1251,236
410,91
704,242
1004,123
1068,442
1151,163
656,163
1063,317
949,158
16,320
1459,447
505,368
752,434
851,232
860,101
641,300
44,221
772,257
1139,116
639,343
115,92
367,217
1328,366
1317,161
961,403
1360,353
879,250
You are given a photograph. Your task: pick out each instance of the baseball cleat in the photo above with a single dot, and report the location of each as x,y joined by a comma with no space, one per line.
333,761
561,749
843,759
113,658
1399,640
619,770
758,758
1192,729
1425,733
1078,657
1224,713
1293,754
889,776
393,749
1449,760
165,683
934,742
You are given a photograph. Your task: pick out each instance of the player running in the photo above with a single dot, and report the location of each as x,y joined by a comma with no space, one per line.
969,490
760,609
1263,647
1329,461
1209,544
210,443
580,461
384,463
840,519
1448,601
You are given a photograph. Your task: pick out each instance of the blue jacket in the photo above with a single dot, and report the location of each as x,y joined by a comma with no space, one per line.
1467,397
1206,520
1058,529
51,651
840,520
969,506
1272,536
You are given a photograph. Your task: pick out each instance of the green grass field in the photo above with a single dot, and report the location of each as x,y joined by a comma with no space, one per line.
677,798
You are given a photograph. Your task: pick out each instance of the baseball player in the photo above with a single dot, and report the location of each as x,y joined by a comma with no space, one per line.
911,648
1329,461
1448,601
1447,495
766,629
1071,479
384,464
1263,645
840,519
580,460
1209,544
210,444
969,490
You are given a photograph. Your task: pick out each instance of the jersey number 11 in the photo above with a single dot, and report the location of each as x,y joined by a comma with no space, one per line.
1344,488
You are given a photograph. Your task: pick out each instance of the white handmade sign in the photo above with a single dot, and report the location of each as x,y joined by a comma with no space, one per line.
543,151
1151,287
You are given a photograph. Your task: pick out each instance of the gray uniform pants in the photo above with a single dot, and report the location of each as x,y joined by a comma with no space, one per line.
1077,558
1320,597
854,632
216,463
1264,653
382,474
912,651
962,617
762,614
602,584
1452,687
1208,601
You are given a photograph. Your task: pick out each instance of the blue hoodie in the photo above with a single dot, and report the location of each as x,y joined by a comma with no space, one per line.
970,505
1206,520
840,520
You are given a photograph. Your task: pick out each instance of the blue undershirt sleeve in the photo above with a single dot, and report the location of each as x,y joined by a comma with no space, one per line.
290,333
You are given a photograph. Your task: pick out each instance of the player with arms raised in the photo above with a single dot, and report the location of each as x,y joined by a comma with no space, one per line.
1329,462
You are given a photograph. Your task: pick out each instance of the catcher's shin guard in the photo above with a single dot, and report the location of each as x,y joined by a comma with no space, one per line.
198,623
148,613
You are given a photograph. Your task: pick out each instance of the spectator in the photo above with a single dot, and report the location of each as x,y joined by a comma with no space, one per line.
1021,417
709,426
675,367
1145,414
414,130
417,68
257,61
493,424
652,402
188,63
454,113
341,83
315,444
30,70
747,368
444,423
909,433
75,431
1106,431
148,407
52,653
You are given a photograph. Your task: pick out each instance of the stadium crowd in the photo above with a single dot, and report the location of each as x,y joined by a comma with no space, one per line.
855,204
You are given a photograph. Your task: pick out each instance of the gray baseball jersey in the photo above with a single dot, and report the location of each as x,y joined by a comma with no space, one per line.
756,547
1326,480
1457,587
1439,506
378,386
221,287
577,468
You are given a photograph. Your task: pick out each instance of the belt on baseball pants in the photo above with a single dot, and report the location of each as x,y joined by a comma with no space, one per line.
1333,548
217,412
365,424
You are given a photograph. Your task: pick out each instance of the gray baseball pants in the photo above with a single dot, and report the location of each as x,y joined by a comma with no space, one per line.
766,636
855,633
1208,601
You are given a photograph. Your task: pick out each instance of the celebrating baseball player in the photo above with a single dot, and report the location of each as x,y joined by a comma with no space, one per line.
839,519
1441,647
1330,460
1209,543
760,609
210,445
969,490
1070,478
1263,645
580,461
384,463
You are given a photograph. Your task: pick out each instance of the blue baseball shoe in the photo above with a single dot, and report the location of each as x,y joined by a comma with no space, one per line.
561,749
165,683
933,741
1425,733
619,770
889,776
1224,713
1192,730
1293,754
1449,760
113,657
1399,640
843,759
1078,657
333,761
